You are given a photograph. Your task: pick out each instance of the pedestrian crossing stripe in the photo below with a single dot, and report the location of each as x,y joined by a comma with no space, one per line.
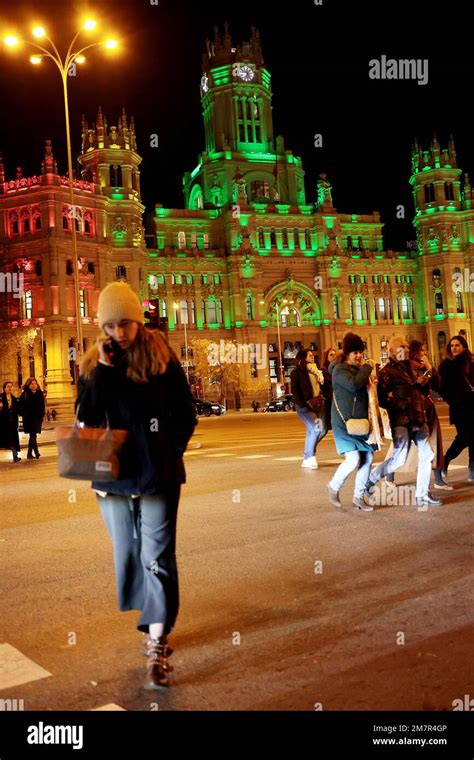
288,459
16,669
214,456
255,456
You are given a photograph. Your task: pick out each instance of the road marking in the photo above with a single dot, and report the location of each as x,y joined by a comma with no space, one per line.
288,459
214,456
255,456
16,669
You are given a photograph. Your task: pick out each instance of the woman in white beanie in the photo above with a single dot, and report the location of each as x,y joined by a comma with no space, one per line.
132,378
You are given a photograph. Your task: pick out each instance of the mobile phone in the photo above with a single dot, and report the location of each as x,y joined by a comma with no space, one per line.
111,349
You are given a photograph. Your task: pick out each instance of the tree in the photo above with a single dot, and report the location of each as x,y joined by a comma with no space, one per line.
16,340
214,361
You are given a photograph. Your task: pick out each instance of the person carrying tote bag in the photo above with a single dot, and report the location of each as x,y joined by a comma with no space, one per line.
132,381
350,420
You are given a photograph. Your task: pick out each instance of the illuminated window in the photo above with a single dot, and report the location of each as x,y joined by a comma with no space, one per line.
439,306
296,237
164,309
259,190
211,312
219,312
121,272
381,308
181,240
203,309
193,312
189,279
273,241
307,238
177,279
249,303
28,304
183,312
335,307
261,239
284,238
206,240
83,303
217,279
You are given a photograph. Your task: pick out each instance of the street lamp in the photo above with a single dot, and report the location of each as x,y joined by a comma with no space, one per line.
176,306
280,352
72,57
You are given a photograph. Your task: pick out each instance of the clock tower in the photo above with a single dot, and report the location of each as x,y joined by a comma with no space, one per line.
236,99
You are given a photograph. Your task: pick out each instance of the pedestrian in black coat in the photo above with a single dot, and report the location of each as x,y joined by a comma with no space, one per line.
132,379
9,438
329,356
457,388
32,409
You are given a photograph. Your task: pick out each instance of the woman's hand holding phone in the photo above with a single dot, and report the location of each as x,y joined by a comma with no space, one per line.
106,350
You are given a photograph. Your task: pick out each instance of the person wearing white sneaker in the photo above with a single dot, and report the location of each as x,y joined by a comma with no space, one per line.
306,382
350,377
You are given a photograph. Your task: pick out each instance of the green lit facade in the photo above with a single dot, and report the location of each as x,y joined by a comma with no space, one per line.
250,246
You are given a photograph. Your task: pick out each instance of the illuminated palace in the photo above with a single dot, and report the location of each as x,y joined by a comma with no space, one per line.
250,257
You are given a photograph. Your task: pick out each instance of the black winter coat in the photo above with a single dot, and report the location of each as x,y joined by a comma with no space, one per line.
9,438
407,404
301,387
160,416
455,389
32,409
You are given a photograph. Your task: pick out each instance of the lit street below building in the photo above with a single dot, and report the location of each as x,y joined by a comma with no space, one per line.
286,602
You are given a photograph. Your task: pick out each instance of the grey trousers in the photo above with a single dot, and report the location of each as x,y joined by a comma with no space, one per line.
143,533
401,444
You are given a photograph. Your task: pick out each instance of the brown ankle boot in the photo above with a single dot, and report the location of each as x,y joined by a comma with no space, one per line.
158,669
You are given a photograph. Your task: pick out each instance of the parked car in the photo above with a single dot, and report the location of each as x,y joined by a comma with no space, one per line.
206,408
283,404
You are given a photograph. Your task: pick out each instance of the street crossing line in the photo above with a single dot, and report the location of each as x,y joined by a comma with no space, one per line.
255,456
288,459
215,456
16,669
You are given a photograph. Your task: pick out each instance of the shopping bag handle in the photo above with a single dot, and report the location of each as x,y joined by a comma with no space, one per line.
76,428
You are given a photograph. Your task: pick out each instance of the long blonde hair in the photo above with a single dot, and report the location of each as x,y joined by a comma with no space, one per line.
148,355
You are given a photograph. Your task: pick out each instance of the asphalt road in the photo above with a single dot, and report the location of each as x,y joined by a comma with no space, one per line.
286,602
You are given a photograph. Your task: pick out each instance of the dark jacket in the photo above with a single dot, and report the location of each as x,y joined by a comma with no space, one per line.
160,416
32,409
350,391
301,387
9,438
455,388
327,395
407,403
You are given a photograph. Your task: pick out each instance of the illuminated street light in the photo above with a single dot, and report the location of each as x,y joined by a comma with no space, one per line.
64,65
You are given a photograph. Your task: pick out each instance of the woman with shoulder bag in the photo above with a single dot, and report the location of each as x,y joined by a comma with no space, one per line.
306,382
350,420
32,409
132,380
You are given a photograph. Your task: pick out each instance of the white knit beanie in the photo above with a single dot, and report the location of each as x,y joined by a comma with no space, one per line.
118,301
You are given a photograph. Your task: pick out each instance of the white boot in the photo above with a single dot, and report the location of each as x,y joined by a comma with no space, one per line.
310,463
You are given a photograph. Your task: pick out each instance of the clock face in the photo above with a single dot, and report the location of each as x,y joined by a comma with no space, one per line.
204,83
246,73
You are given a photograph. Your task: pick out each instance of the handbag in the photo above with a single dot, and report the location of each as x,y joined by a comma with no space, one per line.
87,453
354,425
316,404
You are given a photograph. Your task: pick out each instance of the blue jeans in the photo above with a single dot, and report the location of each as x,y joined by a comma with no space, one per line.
143,533
316,429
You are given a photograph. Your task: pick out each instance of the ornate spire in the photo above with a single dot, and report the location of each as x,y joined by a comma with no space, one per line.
48,158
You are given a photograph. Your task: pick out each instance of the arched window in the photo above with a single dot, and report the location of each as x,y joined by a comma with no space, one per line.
65,221
449,191
335,307
381,308
116,176
38,222
290,317
26,224
87,226
429,193
459,303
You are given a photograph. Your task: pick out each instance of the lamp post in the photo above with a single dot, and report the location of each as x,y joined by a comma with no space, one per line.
176,306
72,57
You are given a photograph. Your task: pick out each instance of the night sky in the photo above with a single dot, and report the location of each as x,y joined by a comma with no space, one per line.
318,57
